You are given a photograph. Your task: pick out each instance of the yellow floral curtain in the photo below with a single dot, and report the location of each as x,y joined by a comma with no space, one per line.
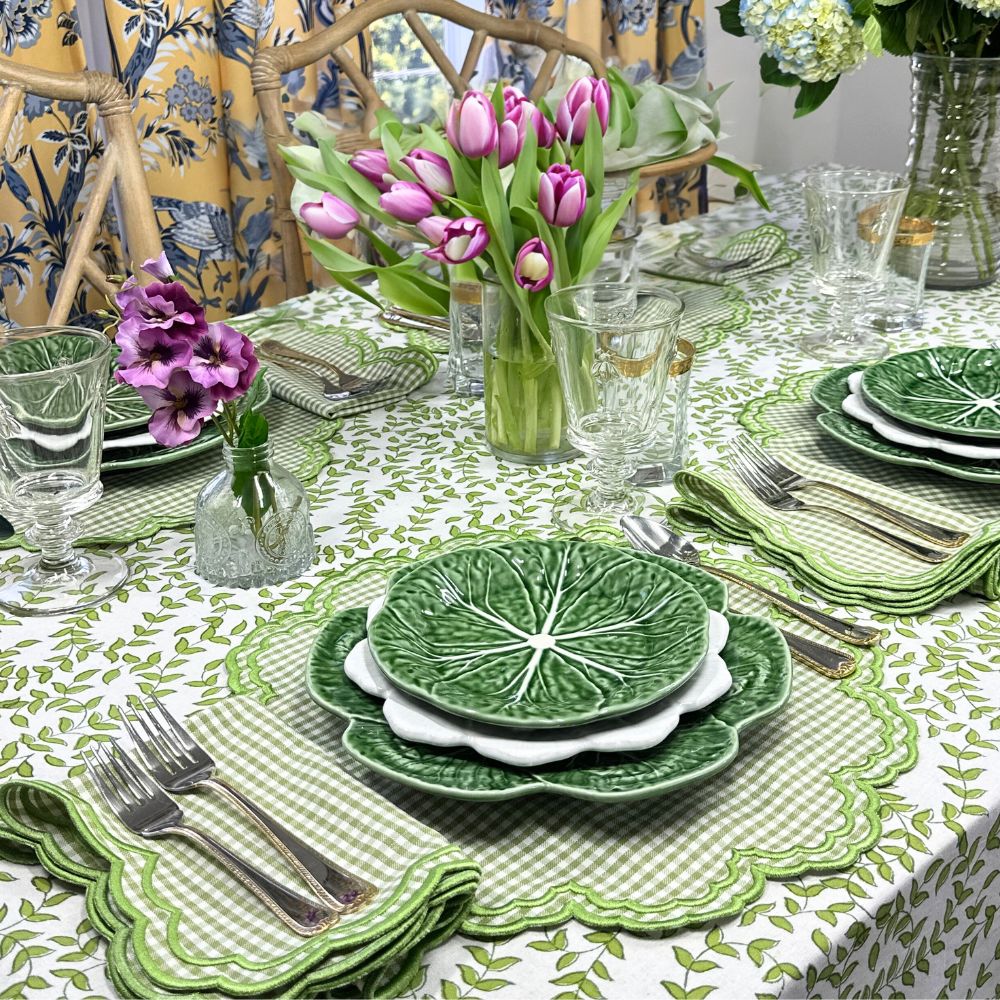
187,65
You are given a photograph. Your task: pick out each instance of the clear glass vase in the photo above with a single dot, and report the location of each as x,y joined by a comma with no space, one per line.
954,166
251,526
524,407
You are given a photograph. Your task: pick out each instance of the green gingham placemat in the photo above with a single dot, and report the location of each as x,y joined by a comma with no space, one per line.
646,865
401,369
770,241
843,564
179,922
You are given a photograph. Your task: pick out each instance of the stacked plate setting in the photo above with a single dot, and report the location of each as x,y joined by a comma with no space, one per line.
561,666
937,408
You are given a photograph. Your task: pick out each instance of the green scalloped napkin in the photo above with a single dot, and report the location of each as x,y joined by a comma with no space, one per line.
401,369
845,565
176,921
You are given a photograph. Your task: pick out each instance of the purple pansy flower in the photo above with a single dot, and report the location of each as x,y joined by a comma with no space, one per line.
158,267
150,356
180,409
218,359
165,306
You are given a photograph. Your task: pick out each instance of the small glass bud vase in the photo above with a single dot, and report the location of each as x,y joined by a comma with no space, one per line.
251,526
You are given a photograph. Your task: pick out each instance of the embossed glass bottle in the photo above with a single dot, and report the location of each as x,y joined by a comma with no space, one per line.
251,525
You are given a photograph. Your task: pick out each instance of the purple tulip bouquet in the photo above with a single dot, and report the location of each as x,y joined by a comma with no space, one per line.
507,191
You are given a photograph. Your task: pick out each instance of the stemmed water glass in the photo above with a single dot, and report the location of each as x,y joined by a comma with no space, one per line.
852,217
53,382
613,345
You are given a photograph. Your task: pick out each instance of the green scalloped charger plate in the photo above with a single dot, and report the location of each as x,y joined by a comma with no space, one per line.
832,389
539,632
955,390
703,744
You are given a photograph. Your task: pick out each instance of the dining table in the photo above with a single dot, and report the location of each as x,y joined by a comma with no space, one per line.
852,849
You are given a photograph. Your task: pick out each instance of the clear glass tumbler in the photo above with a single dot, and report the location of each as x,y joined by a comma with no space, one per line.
465,350
613,345
667,452
899,304
53,382
852,217
621,259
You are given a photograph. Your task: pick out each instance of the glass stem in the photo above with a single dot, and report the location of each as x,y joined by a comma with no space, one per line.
611,473
845,315
54,533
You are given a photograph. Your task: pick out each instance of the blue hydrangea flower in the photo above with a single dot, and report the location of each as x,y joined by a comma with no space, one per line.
812,39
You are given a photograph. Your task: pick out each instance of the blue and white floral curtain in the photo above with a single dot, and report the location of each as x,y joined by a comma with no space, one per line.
187,64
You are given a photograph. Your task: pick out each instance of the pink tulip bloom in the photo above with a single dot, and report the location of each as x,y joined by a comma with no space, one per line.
472,125
180,408
219,359
463,239
562,195
373,165
331,216
433,228
585,97
433,171
407,201
517,108
533,268
510,140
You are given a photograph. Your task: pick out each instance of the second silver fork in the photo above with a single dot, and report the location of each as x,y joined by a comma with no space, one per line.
180,765
771,494
791,480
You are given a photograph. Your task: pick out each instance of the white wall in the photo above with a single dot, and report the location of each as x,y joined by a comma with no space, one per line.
863,123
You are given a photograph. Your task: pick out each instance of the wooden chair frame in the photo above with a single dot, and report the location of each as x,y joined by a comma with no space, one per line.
270,63
120,163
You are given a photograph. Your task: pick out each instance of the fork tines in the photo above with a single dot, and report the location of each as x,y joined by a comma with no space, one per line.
165,739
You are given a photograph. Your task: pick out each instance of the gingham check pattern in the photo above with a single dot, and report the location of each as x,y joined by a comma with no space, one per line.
545,859
193,927
403,369
768,240
838,561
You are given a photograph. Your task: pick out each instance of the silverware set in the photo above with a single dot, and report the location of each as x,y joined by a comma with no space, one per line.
403,319
714,266
774,484
172,760
346,386
647,535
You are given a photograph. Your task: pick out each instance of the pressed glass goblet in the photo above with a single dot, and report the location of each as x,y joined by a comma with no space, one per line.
613,345
53,382
852,217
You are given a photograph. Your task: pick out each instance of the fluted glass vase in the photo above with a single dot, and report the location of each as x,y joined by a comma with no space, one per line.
954,166
252,524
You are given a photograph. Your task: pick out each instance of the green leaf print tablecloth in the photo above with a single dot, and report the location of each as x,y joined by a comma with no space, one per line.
912,913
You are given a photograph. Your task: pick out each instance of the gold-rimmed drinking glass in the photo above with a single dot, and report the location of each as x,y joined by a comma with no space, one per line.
613,345
852,217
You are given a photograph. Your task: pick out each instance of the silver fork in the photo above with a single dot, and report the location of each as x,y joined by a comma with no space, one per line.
718,265
182,765
774,496
149,812
330,390
353,384
791,480
648,535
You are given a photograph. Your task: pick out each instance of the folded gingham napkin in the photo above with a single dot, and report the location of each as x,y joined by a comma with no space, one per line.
402,369
175,921
845,565
767,245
